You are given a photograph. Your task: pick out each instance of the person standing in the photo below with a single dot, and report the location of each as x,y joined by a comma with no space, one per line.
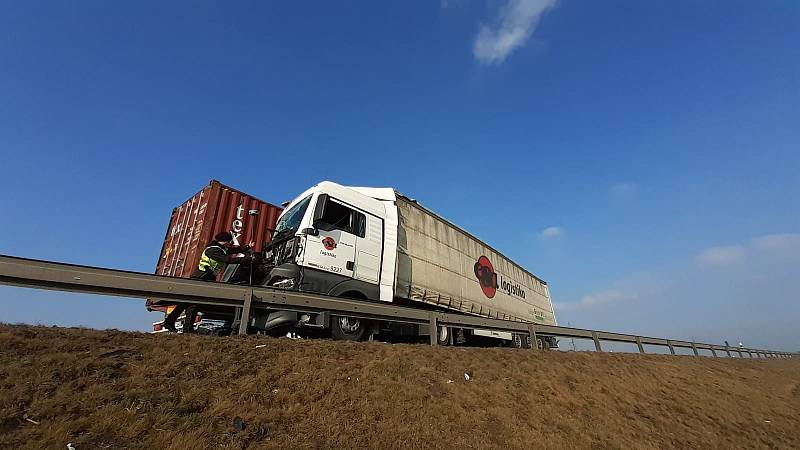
215,256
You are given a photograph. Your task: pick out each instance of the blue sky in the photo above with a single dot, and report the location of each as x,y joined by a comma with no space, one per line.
640,156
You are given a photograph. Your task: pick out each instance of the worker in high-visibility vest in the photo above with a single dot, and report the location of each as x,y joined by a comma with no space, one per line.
215,256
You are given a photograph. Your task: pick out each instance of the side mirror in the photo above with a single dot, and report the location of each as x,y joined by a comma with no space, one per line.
319,209
310,231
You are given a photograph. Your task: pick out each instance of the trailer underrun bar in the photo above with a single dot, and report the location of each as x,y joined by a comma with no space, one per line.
38,274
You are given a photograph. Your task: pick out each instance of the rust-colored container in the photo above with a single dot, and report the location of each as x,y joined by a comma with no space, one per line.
214,209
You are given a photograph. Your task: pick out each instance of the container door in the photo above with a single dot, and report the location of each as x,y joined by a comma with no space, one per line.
333,249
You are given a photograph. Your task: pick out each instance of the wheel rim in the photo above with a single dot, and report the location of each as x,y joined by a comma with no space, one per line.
443,334
349,325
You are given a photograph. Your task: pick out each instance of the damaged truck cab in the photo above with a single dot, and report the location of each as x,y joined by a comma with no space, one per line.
333,240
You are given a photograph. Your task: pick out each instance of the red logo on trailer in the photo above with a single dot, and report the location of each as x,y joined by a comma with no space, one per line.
487,278
329,243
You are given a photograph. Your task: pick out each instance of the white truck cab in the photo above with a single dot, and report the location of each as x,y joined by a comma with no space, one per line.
344,242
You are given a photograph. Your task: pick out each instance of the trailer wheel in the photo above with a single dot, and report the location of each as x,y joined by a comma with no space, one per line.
348,328
519,341
444,336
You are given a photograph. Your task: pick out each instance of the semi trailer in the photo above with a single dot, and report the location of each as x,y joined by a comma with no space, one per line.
377,245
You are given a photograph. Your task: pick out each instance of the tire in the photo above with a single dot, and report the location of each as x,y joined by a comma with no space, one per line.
348,328
518,341
444,336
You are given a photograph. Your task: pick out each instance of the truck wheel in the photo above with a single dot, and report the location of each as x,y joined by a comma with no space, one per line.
444,336
519,341
348,328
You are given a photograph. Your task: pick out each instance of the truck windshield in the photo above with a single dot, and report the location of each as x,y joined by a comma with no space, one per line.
290,220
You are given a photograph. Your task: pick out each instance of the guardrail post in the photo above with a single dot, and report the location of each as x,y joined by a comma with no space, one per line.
713,352
245,320
434,329
534,339
694,349
749,352
728,350
671,348
596,340
639,344
741,355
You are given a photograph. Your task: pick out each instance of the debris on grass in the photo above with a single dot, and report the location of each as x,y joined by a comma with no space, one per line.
238,423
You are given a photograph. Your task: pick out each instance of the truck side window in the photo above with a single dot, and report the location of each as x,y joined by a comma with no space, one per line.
337,215
340,217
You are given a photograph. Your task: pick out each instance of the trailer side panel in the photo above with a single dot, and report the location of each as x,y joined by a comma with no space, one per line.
441,264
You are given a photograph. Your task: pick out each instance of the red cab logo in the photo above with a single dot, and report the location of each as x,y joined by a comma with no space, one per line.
487,278
329,243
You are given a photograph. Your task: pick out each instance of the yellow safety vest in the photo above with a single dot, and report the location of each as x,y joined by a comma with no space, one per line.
207,263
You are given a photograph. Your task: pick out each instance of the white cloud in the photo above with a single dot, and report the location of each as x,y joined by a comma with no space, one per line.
750,296
777,242
769,244
594,299
515,23
623,190
721,256
551,233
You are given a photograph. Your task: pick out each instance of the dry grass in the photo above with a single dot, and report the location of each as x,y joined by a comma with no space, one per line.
127,390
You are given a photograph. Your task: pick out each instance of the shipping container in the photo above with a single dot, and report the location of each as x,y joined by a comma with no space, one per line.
441,264
216,208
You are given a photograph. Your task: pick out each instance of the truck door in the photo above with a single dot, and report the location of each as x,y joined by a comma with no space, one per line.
333,249
369,239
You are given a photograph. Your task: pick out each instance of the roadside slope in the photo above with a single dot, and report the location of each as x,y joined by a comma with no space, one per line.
110,389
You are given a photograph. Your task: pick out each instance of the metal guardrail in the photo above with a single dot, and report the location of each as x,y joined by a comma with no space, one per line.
39,274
